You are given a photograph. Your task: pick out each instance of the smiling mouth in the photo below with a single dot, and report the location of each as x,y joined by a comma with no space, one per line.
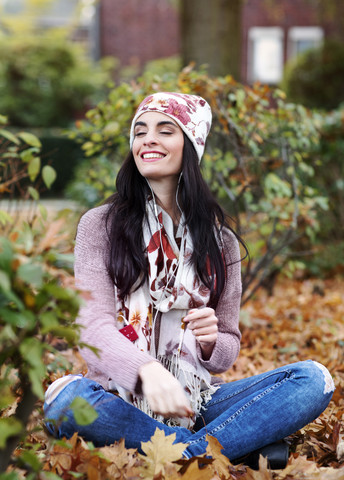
152,155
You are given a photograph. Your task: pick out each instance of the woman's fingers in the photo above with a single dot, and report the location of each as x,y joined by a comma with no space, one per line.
163,392
203,324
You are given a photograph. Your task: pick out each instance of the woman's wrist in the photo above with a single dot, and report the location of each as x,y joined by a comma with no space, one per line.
207,350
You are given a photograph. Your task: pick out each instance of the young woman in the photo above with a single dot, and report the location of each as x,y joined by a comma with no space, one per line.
162,269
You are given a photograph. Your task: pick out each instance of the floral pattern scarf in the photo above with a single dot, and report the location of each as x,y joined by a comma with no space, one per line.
173,288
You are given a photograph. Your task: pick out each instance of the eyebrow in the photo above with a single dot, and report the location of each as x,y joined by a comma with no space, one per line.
160,124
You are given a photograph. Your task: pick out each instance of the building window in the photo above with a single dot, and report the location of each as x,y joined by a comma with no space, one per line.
12,7
265,54
301,39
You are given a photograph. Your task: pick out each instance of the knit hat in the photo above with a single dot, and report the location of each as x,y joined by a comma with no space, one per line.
190,112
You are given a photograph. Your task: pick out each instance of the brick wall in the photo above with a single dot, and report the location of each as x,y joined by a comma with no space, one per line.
136,31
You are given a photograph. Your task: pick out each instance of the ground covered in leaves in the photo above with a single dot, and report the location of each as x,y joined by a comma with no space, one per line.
302,320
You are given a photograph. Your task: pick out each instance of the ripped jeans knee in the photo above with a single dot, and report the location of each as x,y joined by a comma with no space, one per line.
329,386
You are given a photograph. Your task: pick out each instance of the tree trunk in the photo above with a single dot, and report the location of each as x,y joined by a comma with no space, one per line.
211,34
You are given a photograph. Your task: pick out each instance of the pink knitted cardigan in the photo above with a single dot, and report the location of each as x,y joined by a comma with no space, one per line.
118,359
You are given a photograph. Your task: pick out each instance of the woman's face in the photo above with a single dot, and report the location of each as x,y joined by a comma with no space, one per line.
158,146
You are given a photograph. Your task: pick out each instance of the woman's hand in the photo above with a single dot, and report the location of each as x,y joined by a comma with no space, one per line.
203,324
163,391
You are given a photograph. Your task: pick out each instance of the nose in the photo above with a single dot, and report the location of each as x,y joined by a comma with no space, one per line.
150,138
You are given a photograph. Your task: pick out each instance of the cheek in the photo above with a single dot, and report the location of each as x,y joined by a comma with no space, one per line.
178,150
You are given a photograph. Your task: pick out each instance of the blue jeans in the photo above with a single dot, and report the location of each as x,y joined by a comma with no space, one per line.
243,415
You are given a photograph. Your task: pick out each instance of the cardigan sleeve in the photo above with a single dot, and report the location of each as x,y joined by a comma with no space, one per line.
227,346
117,359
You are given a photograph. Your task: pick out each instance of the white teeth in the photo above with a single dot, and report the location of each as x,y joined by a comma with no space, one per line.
152,155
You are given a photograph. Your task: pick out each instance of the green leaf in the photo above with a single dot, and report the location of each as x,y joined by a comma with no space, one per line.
9,136
31,274
6,255
33,193
6,397
58,292
28,154
31,459
9,426
24,319
30,139
31,350
34,168
49,175
5,218
48,320
36,375
84,413
68,333
5,281
43,211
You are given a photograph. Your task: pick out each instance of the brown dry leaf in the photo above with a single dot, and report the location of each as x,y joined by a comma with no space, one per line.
193,472
53,235
340,449
171,472
122,461
159,451
302,469
60,458
221,463
75,456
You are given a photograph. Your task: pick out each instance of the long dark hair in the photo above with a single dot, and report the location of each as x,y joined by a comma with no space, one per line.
127,262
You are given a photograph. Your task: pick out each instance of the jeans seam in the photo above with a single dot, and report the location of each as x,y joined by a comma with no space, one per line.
214,402
242,409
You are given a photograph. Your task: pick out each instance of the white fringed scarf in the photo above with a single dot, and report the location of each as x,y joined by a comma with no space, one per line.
173,288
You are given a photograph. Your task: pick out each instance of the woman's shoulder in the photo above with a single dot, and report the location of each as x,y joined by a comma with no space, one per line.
230,244
96,214
92,224
229,236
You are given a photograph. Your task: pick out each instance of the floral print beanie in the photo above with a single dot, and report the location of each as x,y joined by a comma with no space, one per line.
191,112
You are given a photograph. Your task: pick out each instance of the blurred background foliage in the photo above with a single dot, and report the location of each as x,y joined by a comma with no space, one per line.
47,81
315,77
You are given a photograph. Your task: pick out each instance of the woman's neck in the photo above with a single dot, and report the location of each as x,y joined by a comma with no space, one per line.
165,196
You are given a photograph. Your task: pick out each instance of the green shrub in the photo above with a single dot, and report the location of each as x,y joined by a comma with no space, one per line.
326,252
35,305
162,65
94,180
257,160
316,78
21,166
329,177
46,81
64,155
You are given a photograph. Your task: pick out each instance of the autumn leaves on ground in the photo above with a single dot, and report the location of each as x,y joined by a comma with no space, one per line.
303,319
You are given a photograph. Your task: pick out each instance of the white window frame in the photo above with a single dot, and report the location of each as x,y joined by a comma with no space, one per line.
255,35
315,34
